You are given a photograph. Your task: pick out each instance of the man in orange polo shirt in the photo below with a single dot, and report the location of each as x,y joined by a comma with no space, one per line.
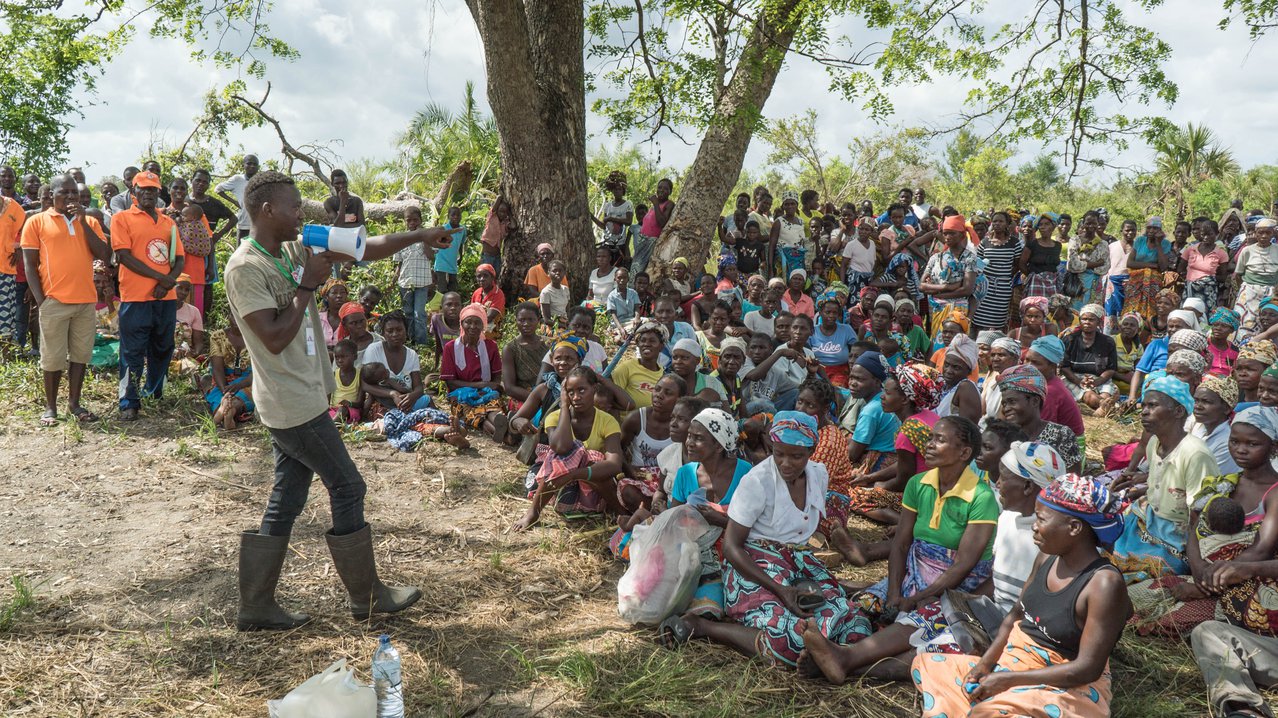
150,256
58,249
11,219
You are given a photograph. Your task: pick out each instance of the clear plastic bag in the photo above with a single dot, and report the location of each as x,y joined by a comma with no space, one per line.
332,693
665,566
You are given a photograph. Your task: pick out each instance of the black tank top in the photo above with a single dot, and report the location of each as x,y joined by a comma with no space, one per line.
1049,617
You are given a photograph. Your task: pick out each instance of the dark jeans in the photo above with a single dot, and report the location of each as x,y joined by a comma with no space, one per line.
301,452
146,338
22,316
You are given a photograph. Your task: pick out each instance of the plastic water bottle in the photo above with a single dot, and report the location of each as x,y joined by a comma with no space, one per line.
387,680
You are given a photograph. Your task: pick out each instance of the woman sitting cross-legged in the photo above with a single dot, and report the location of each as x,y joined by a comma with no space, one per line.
1051,655
944,540
583,454
472,362
771,578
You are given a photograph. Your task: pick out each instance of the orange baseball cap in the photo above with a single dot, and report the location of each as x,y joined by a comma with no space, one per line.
146,179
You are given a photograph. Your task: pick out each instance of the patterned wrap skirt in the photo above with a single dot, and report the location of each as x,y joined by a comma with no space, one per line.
924,563
939,679
752,605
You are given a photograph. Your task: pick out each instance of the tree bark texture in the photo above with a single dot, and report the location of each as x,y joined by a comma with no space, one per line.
717,166
536,89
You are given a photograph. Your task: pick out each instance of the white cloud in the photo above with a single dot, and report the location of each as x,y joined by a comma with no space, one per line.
365,70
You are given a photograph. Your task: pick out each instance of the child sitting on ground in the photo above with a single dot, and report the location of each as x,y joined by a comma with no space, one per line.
348,402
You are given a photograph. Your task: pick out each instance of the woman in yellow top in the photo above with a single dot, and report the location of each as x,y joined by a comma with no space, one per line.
638,375
583,457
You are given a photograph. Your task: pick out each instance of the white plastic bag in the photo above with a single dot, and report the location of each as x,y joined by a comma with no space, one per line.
665,566
332,693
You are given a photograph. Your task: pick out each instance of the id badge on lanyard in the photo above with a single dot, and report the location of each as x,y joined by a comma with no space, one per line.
308,327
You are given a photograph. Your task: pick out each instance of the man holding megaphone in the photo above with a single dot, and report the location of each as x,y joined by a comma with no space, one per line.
271,280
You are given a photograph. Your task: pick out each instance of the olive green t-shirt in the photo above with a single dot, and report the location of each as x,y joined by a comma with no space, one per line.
292,387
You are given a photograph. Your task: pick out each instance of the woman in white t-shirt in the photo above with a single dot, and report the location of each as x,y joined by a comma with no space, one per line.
603,278
391,372
773,584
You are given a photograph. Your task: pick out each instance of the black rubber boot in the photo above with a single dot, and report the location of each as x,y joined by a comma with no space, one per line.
353,557
261,559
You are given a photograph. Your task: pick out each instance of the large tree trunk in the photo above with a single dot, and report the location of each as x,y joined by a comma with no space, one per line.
536,88
718,164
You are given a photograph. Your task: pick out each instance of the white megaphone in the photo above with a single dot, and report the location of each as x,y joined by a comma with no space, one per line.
346,241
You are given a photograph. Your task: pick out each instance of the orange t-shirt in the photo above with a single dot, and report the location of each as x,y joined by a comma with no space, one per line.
11,219
537,277
148,240
66,264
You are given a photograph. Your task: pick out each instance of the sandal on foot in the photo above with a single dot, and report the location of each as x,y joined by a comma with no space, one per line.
83,415
674,632
49,418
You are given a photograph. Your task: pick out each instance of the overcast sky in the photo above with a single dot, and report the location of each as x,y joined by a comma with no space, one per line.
367,67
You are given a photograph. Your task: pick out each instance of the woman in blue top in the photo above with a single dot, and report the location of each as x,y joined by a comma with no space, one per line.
830,341
1149,257
873,442
446,259
707,483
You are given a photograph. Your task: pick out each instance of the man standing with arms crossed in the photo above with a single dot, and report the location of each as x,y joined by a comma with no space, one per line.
271,281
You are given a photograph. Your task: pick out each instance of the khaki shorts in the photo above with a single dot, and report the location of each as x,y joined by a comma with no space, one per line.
66,332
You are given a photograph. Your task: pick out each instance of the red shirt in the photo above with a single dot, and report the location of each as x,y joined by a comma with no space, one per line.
1059,406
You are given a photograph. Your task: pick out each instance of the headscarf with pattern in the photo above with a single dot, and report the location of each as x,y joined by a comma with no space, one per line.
794,428
721,426
1024,378
1190,359
1173,388
1259,350
1033,461
1223,315
1087,499
1189,339
920,383
1264,418
1224,387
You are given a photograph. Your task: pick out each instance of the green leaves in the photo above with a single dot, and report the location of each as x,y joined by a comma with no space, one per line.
52,53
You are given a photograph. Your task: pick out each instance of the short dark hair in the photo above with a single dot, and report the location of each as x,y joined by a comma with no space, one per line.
264,187
1006,431
346,344
394,315
968,432
807,194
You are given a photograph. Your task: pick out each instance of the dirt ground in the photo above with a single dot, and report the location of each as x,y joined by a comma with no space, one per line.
128,539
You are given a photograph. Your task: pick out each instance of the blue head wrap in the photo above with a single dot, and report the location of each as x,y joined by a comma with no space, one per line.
873,363
1050,348
1174,388
794,428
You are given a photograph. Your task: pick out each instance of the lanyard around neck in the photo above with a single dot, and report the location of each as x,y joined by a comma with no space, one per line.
286,271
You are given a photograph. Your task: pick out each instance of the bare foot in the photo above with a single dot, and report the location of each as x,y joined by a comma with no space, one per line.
850,549
820,651
456,439
528,521
807,665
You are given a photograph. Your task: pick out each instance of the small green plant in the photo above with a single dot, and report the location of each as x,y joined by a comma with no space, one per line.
21,600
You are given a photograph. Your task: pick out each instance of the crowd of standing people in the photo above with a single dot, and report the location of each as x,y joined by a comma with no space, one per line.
921,369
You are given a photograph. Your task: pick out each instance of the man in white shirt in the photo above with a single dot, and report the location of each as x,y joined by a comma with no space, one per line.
921,208
235,186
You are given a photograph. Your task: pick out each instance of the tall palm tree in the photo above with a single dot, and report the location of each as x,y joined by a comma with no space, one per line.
454,152
1186,156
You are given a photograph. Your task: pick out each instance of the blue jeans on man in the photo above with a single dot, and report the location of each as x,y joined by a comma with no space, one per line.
414,302
493,259
146,347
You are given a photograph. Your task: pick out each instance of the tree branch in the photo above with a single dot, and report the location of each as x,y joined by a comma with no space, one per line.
291,152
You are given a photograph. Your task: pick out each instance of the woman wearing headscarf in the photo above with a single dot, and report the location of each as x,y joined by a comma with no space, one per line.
944,540
1040,259
1150,256
952,279
1224,322
1046,355
1155,539
1044,661
1087,256
1001,253
772,580
960,395
911,393
1023,389
1005,353
785,243
1233,521
471,368
1253,359
1061,317
354,325
1256,272
1214,402
685,359
1034,324
1090,360
1157,351
708,483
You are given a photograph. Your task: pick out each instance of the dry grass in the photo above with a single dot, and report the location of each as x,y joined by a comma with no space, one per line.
138,621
